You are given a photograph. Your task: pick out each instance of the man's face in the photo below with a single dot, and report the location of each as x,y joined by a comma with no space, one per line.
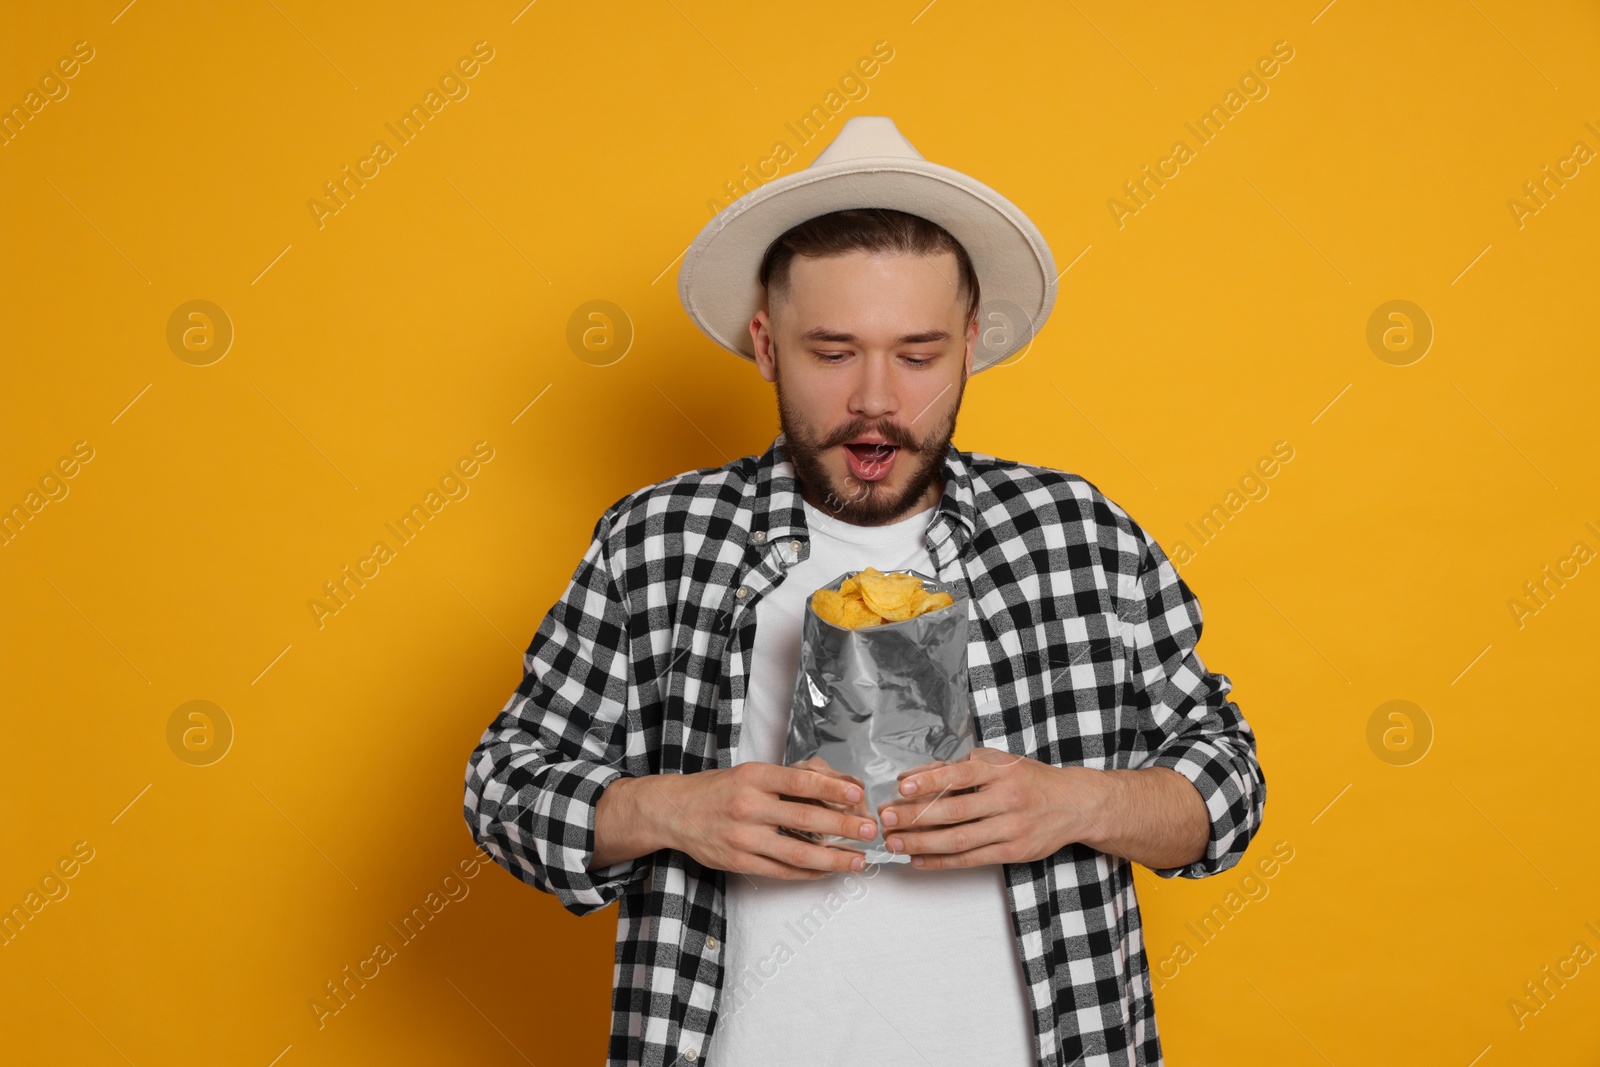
868,345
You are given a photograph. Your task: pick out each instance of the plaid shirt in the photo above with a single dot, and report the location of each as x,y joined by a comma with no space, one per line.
1081,653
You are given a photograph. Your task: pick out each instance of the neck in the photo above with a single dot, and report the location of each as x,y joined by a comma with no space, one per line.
928,499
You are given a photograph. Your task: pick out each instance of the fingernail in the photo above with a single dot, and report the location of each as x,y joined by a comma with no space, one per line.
908,786
868,830
916,861
857,863
895,844
852,794
891,819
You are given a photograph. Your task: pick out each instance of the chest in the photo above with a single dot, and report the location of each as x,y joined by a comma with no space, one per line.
1047,657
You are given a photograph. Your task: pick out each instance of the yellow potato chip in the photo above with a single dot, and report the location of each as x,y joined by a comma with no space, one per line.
915,596
873,598
858,615
829,606
888,595
854,582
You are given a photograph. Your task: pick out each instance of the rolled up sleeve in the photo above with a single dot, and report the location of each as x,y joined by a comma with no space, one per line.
535,780
1187,722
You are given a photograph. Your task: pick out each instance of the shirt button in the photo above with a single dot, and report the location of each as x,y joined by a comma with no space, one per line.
794,546
711,943
691,1054
760,536
741,592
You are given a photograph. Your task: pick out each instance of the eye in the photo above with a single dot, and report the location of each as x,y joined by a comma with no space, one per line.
834,357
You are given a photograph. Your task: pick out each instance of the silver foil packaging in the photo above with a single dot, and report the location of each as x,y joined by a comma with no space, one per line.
873,702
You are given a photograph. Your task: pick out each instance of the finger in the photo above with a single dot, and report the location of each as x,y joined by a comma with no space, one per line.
814,763
752,863
821,820
860,807
818,764
805,782
857,808
938,810
796,853
995,853
923,783
821,766
962,837
922,767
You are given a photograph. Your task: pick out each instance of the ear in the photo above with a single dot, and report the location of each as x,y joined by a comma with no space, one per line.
761,338
972,342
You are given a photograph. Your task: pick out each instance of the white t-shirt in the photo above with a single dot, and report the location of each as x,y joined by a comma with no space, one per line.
887,966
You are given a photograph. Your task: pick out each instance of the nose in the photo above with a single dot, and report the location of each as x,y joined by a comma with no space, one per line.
874,394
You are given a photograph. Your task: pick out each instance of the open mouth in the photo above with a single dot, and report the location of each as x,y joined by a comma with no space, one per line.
871,462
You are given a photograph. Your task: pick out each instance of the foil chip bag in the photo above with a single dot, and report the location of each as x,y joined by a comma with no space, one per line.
881,689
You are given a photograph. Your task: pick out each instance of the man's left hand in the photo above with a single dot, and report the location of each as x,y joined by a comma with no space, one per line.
992,807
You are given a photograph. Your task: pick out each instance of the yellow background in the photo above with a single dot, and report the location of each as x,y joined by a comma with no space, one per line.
371,353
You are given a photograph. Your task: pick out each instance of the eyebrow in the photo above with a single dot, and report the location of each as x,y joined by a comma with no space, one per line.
821,333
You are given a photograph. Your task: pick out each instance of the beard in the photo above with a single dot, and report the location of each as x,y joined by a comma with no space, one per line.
919,464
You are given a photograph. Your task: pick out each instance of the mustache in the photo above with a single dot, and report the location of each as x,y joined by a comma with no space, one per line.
894,434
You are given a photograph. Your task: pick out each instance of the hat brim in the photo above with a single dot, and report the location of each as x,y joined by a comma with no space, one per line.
1016,273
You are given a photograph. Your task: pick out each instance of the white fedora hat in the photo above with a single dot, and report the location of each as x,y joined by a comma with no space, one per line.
870,164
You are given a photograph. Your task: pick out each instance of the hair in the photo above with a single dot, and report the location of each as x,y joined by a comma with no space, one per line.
864,230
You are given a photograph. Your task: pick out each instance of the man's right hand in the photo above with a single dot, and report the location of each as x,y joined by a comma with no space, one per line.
728,818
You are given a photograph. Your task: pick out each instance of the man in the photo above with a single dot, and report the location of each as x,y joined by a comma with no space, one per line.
640,760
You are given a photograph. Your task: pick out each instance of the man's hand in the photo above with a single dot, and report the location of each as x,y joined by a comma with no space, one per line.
728,818
992,807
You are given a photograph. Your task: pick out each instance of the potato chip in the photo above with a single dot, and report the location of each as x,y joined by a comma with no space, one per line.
888,595
873,598
829,606
858,615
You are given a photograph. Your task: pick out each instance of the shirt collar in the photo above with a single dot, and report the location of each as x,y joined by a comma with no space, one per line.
777,512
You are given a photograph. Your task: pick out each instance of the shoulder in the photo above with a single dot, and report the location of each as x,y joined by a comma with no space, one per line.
1059,507
700,499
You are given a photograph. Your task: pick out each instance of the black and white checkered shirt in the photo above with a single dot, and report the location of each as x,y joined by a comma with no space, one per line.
1081,652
